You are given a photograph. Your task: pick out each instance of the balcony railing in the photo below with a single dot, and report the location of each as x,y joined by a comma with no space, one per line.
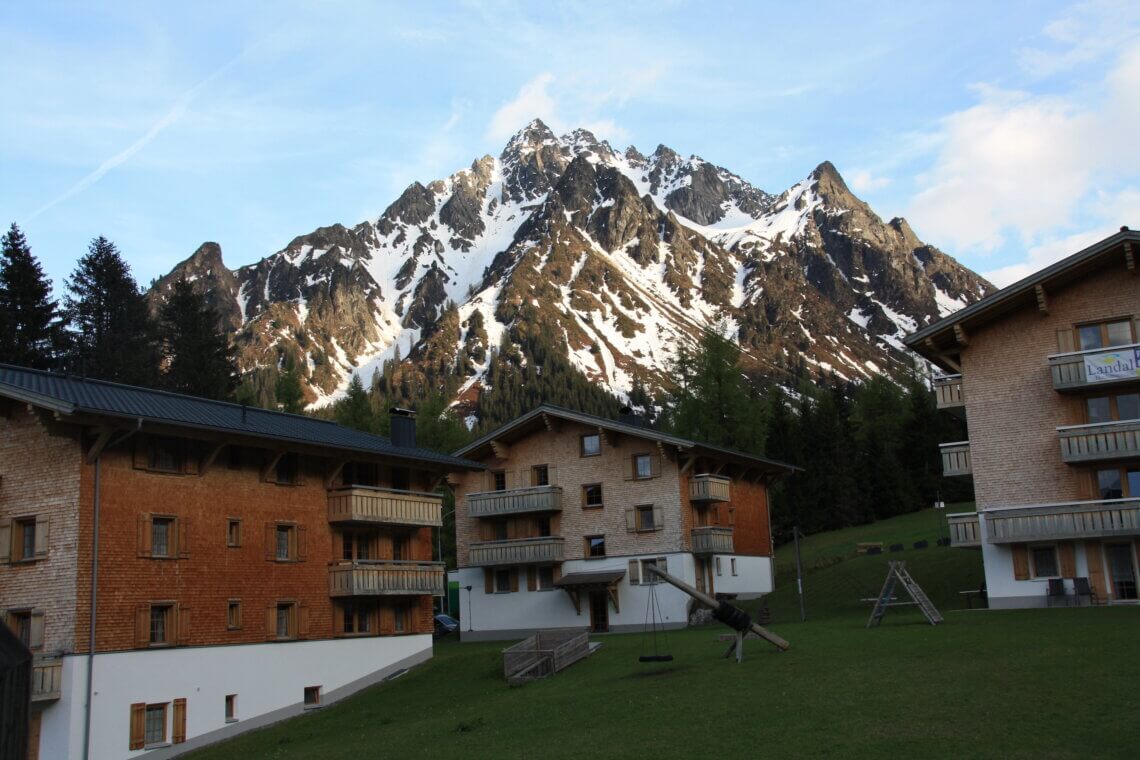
956,459
515,501
1100,442
711,540
47,680
964,529
517,551
707,487
948,392
1050,522
1070,371
385,506
386,578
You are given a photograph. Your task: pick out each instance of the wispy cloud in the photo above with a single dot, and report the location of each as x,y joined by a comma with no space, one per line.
532,101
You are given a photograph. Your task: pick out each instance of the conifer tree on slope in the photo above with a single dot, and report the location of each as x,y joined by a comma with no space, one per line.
31,329
112,337
199,358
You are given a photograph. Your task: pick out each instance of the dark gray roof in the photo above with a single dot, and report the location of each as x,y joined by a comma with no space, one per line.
535,416
594,578
68,395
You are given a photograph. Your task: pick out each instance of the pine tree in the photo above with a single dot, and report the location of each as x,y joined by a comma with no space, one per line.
31,332
355,409
111,334
712,402
199,358
290,397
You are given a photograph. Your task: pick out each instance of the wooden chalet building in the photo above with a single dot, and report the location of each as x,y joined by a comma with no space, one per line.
555,533
185,569
1047,374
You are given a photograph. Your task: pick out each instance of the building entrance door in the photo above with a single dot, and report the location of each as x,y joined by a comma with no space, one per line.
599,612
1121,570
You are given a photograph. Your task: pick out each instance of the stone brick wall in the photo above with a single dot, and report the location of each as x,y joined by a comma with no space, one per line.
1012,411
39,475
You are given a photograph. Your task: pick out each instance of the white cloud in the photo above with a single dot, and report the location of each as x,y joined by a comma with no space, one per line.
1089,31
532,101
862,180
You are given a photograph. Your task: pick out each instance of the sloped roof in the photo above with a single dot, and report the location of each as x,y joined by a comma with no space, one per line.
69,395
533,419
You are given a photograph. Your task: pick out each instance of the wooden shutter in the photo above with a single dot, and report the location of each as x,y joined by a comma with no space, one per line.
140,453
271,621
1095,561
631,519
145,535
531,580
1020,562
557,572
1067,559
338,619
181,538
42,524
488,581
5,540
654,465
302,545
271,541
658,517
512,528
514,579
138,726
634,572
183,625
387,618
1065,342
178,735
302,620
142,625
36,638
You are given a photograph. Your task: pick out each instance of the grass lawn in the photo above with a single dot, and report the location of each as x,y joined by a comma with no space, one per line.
1027,683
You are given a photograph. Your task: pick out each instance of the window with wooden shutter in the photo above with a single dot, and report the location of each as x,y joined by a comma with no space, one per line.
634,572
631,519
41,542
36,630
271,621
183,625
182,537
142,625
138,726
1095,559
145,535
514,579
1068,559
1065,341
302,620
301,552
5,540
1020,562
178,733
488,581
531,578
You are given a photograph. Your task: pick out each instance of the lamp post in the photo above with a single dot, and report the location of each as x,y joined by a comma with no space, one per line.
439,557
469,619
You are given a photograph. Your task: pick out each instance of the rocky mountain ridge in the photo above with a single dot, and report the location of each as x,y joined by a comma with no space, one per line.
618,257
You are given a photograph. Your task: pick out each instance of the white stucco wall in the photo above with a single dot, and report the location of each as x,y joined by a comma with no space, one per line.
265,677
753,576
1005,592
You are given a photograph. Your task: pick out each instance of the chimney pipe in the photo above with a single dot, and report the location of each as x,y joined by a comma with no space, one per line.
403,432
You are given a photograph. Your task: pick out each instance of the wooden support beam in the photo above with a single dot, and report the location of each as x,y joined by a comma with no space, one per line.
603,436
613,593
438,481
337,468
575,599
1129,258
718,469
960,335
101,442
209,458
611,437
553,424
688,465
273,460
1042,303
502,450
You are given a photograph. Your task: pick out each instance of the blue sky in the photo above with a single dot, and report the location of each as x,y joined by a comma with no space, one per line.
1005,132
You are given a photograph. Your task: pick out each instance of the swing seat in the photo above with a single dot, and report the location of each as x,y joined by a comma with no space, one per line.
655,658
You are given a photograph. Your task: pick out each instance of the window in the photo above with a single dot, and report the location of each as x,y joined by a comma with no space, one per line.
591,445
540,475
543,526
545,578
161,536
732,565
233,614
312,696
25,539
401,478
231,708
233,458
148,724
1104,334
233,532
284,542
20,621
638,575
592,496
501,531
164,455
400,618
161,624
357,546
644,518
357,618
1044,561
718,570
286,620
1118,482
595,546
502,581
400,548
500,480
286,470
155,724
1123,406
644,466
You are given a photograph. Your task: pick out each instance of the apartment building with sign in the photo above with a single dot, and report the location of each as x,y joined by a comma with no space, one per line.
1046,373
557,530
187,569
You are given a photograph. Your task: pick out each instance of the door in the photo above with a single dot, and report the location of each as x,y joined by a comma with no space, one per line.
1121,572
599,612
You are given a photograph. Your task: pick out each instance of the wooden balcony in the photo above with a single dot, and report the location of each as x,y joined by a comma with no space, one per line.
956,459
708,487
964,531
1070,372
712,540
517,551
47,680
515,501
1102,442
386,578
948,392
385,506
1108,518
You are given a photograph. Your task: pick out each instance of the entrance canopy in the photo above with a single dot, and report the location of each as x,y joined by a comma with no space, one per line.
602,580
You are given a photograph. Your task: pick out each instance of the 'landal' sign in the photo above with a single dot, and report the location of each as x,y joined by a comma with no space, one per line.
1113,365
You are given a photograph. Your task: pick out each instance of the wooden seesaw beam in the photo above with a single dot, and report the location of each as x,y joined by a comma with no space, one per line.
712,603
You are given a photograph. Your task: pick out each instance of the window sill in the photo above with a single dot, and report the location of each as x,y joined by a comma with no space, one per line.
599,557
593,506
157,745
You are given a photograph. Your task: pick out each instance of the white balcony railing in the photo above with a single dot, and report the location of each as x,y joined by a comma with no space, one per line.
956,459
1105,518
1100,442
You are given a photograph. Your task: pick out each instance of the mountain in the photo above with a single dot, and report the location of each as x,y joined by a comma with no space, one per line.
612,259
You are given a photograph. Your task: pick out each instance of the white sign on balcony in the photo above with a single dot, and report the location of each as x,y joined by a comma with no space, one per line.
1113,365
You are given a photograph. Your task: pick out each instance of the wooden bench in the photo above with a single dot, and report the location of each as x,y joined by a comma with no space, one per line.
865,547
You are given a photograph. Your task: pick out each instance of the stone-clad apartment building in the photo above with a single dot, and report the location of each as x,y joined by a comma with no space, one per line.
190,569
1046,373
556,531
